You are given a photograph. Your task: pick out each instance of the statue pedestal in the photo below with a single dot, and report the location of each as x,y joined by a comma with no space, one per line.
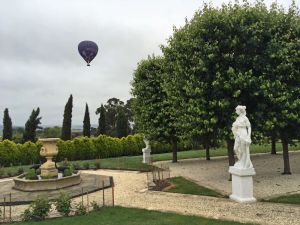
242,184
146,155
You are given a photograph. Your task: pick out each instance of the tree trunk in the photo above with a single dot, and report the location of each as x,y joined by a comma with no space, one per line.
230,152
285,154
207,152
273,140
174,150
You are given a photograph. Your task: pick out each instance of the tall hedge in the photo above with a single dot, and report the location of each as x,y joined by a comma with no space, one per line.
81,148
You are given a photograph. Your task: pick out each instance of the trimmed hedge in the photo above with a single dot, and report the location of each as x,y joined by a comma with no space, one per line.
81,148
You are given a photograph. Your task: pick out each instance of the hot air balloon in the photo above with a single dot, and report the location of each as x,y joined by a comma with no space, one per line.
88,50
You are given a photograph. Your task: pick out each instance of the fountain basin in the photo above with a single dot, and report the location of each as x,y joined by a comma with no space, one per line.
47,184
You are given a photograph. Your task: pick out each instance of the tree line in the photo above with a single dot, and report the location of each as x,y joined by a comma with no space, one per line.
238,54
115,119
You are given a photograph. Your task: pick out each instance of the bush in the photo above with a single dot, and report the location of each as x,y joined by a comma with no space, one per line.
31,175
20,170
76,166
95,206
80,209
63,204
86,165
97,164
67,173
38,210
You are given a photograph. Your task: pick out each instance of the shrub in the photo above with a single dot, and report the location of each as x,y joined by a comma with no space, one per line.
76,166
1,173
20,170
80,209
95,206
67,173
31,175
63,204
86,165
10,174
97,164
38,209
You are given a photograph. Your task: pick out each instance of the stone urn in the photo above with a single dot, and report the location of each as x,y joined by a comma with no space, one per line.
49,150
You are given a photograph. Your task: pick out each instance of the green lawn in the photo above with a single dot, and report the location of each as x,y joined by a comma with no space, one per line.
135,162
185,186
131,216
288,199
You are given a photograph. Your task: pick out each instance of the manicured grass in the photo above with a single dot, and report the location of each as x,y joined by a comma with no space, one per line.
288,199
135,162
185,186
131,216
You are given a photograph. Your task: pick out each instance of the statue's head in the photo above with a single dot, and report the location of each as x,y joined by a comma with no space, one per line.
240,110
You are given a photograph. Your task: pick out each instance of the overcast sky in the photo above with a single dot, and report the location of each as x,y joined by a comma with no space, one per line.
40,64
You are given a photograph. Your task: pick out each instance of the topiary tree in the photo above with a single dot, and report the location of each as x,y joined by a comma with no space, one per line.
86,122
236,54
66,133
154,115
7,126
32,125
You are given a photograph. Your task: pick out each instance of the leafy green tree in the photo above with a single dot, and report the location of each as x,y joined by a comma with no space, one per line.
153,112
102,127
122,126
7,126
50,132
239,54
66,133
32,125
112,108
86,122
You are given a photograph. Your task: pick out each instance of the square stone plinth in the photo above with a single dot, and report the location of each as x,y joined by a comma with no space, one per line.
242,184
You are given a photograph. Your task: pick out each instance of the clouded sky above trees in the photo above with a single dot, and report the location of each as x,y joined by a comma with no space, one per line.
40,64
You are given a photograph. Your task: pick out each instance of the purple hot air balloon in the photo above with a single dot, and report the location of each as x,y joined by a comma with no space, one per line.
88,50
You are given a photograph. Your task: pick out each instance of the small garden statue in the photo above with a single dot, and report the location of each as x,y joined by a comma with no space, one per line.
241,130
146,152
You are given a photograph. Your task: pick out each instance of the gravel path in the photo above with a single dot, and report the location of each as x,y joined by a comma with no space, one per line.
130,192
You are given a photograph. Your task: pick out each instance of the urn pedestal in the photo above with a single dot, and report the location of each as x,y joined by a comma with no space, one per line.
49,150
242,184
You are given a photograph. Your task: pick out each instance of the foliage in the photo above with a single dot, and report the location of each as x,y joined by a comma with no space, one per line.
86,166
31,126
38,209
50,132
97,164
80,209
95,205
20,171
63,204
153,114
67,121
7,126
86,122
102,128
31,175
67,173
122,125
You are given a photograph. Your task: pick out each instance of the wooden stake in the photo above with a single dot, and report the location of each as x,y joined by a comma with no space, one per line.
10,206
103,200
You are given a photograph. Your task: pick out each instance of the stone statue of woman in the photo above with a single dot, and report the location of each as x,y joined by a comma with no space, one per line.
241,130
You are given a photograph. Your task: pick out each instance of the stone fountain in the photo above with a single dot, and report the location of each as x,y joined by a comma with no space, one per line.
49,173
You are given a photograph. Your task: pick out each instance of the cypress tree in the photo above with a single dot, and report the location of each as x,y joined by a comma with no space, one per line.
122,125
7,126
102,127
32,125
86,122
67,121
